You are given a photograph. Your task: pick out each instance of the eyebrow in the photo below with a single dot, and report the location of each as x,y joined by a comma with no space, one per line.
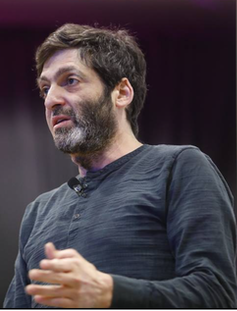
61,71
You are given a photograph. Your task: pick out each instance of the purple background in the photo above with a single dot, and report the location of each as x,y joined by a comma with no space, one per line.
190,50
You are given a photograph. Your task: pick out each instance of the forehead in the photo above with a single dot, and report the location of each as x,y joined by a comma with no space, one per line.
65,59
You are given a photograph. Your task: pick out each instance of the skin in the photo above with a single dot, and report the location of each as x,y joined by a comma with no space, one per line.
74,282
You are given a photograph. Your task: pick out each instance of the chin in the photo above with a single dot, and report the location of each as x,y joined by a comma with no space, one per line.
68,140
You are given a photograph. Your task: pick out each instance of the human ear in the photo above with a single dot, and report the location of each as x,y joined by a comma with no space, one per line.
124,93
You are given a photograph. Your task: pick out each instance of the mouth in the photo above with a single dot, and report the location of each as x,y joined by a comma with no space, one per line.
61,121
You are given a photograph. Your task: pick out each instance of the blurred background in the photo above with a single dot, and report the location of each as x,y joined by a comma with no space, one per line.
190,50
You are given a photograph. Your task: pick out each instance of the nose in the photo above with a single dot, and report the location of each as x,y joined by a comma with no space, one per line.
54,98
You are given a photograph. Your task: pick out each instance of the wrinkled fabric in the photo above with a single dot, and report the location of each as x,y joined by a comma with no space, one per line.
160,220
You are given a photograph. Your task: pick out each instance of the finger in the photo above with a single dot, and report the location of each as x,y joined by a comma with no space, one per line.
44,290
67,253
48,276
55,302
60,265
50,250
52,291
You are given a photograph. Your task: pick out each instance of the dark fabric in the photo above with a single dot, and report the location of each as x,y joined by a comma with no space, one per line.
159,220
191,56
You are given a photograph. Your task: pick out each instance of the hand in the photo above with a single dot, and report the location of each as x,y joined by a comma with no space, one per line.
75,283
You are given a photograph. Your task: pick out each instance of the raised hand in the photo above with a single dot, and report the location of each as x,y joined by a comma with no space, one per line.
73,281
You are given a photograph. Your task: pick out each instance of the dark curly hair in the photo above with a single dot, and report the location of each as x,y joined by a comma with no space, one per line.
112,53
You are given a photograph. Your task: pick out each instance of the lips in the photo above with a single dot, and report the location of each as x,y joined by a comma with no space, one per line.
60,119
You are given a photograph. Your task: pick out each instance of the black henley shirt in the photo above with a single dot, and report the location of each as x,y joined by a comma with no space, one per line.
160,220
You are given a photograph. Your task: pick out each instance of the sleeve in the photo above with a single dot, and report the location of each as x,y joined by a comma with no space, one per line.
202,235
16,296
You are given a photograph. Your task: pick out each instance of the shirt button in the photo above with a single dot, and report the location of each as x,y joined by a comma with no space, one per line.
76,216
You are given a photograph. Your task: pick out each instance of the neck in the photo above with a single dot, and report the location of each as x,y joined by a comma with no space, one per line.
120,147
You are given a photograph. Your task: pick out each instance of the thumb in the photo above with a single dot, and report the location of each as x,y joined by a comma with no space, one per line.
50,250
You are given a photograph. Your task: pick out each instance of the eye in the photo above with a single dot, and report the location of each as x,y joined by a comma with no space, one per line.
44,91
72,81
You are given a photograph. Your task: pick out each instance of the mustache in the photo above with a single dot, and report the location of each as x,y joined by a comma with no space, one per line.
67,112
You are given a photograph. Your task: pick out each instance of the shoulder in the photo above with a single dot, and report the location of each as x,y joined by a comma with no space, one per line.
190,167
187,162
169,154
54,194
43,205
180,154
170,150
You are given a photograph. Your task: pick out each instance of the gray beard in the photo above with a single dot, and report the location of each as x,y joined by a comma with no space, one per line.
67,139
92,132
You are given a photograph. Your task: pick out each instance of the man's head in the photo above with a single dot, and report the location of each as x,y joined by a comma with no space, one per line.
112,54
81,115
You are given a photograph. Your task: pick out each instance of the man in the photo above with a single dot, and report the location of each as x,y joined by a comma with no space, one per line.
147,226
